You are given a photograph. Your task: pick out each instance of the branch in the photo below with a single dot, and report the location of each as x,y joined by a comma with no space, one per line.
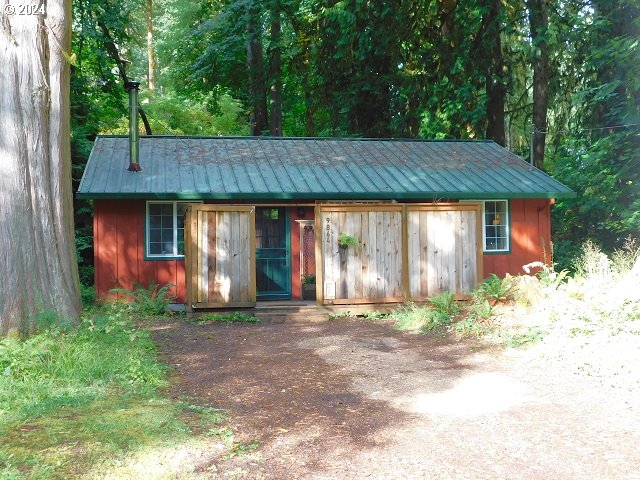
112,51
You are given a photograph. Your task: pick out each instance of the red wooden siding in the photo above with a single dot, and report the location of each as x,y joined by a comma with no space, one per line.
294,228
119,246
118,241
530,238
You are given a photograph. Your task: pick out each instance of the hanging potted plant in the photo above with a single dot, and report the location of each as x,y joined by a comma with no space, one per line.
345,241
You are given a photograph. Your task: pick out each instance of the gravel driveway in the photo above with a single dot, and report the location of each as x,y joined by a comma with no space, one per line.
354,399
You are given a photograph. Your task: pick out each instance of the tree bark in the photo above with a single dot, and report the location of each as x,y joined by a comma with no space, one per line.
255,65
150,47
275,71
539,23
37,248
495,83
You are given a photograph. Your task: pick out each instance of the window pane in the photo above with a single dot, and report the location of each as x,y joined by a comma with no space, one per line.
167,208
167,235
155,209
180,241
167,221
154,235
182,209
155,221
155,248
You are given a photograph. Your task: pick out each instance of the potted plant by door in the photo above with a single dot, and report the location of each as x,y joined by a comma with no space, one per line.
309,287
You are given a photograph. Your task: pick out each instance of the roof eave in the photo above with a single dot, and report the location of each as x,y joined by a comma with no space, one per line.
433,196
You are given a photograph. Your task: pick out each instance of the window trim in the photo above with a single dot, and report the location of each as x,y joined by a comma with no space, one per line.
174,255
507,250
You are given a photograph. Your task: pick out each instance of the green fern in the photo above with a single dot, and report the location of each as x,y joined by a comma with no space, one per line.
153,300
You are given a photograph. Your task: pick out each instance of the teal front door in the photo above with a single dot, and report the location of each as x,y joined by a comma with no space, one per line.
273,265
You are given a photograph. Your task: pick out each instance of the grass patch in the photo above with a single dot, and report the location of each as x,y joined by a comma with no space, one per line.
520,338
338,315
74,398
231,317
374,315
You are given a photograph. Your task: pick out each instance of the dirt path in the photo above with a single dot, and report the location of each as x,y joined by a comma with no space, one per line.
356,400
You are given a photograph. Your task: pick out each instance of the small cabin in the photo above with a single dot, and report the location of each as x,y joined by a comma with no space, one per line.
229,221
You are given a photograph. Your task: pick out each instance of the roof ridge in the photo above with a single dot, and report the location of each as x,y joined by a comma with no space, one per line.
353,139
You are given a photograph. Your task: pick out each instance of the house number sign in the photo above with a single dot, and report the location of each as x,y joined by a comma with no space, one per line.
328,230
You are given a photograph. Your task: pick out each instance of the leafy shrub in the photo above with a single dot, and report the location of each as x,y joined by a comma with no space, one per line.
494,289
86,273
435,315
153,300
87,295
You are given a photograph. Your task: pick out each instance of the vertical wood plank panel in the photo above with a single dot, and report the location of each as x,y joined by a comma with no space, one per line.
211,254
357,256
237,270
350,280
395,244
380,249
372,279
413,225
341,287
244,257
193,256
451,229
365,255
335,251
432,253
204,257
424,253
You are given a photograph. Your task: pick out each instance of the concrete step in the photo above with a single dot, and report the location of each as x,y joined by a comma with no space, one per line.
284,318
291,314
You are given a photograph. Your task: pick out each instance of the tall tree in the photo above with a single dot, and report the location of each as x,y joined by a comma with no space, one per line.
539,25
151,56
495,77
275,70
37,252
256,67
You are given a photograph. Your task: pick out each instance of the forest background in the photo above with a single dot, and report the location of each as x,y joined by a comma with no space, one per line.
553,81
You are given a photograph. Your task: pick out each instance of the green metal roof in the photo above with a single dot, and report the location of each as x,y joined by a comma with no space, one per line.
265,168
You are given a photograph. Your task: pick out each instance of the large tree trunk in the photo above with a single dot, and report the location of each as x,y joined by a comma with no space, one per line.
275,71
257,77
495,79
150,48
37,248
539,23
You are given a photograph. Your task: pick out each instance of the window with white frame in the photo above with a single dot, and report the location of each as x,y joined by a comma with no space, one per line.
495,225
165,229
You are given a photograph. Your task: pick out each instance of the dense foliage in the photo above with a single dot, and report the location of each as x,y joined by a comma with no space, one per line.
558,74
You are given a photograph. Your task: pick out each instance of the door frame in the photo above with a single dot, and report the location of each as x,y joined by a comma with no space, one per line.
287,236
